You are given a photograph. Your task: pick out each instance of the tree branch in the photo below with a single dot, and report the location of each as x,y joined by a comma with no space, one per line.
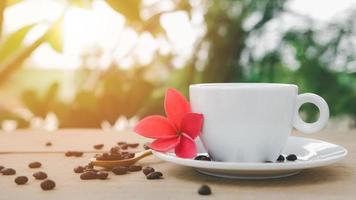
15,62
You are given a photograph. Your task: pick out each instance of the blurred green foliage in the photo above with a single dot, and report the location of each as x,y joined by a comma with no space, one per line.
230,58
118,93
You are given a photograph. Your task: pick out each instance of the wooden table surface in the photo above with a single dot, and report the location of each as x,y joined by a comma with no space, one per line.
18,149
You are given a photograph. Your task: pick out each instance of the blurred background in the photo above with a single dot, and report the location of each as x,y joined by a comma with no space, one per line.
107,63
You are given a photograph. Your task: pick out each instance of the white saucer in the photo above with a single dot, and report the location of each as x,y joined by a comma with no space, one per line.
310,152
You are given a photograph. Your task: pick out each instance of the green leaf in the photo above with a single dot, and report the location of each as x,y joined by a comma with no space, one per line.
13,42
54,35
129,8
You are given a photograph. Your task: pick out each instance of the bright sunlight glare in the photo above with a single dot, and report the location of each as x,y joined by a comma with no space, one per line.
104,29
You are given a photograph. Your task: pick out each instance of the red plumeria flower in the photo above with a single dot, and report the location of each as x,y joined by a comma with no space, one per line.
177,131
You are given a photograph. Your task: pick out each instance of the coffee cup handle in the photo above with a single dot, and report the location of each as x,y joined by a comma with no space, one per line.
323,107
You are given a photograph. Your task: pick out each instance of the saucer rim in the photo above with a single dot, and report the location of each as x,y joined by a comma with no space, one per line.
295,165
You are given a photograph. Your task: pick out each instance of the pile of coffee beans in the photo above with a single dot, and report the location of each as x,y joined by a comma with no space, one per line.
118,152
89,173
115,153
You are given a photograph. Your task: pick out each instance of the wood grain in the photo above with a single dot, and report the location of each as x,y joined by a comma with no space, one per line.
336,181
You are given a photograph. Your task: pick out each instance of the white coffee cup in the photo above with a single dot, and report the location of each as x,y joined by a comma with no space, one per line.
250,122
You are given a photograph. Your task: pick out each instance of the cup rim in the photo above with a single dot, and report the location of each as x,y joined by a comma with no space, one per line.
241,85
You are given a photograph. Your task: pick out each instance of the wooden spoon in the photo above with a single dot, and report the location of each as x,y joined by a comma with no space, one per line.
125,162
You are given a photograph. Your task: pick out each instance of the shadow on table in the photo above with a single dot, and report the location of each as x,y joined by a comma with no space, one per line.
306,177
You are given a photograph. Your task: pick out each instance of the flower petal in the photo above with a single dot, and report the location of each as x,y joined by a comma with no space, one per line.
156,127
186,148
164,145
192,124
176,106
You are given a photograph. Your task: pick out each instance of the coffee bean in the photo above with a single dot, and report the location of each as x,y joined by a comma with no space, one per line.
74,153
133,145
204,190
35,165
280,158
115,157
115,150
89,166
102,175
1,168
21,180
120,170
8,171
79,169
48,184
147,170
135,168
48,144
89,175
77,153
146,146
91,170
128,156
291,157
203,158
121,143
124,146
98,146
154,175
106,156
40,175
